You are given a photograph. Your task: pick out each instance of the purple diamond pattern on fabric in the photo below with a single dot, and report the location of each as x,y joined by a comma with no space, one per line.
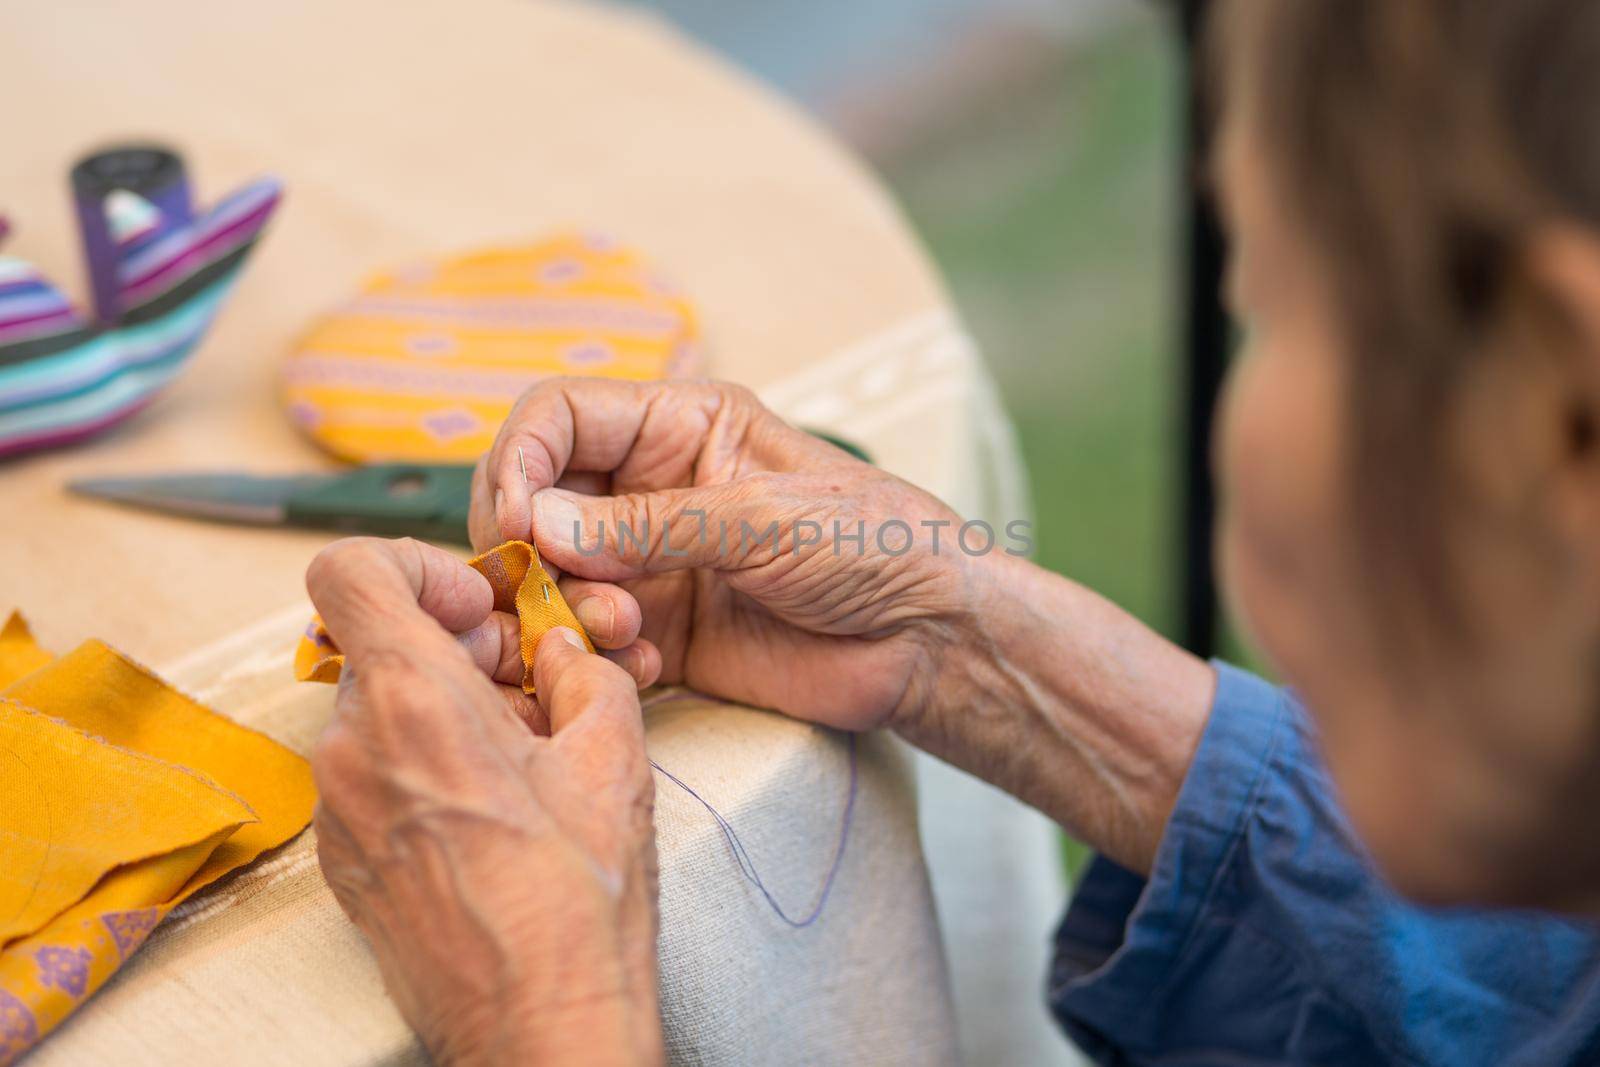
19,1031
561,270
452,423
65,968
432,344
130,928
305,415
589,354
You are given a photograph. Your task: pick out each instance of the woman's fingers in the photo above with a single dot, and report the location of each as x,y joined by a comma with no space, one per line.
594,483
612,619
609,613
617,538
648,435
582,424
576,687
482,527
642,661
379,596
495,646
526,708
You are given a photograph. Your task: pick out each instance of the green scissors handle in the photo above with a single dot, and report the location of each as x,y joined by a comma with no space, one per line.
389,500
407,500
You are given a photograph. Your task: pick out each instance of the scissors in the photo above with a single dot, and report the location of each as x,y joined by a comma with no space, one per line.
382,499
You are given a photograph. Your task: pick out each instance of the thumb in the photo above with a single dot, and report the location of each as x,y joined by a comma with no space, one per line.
574,684
616,538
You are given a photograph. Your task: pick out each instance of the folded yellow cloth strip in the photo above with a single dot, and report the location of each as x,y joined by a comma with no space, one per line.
119,798
522,587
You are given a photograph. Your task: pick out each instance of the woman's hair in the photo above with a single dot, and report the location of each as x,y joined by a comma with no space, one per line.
1417,145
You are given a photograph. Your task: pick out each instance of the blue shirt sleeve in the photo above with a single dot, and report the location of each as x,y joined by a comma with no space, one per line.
1263,936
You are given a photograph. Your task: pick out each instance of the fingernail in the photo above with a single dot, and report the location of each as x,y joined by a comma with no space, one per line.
500,508
598,615
558,516
635,664
569,635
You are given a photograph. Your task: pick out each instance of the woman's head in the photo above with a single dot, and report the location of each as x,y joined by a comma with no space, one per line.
1411,447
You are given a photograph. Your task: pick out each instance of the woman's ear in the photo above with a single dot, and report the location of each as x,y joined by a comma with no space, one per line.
1562,269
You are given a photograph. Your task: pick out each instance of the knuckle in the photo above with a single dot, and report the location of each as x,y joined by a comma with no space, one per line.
334,565
591,680
643,807
327,565
388,672
542,388
763,485
736,397
632,509
510,662
637,523
397,691
335,763
409,545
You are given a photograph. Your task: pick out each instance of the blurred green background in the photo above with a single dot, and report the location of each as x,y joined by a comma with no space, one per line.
1054,220
1034,146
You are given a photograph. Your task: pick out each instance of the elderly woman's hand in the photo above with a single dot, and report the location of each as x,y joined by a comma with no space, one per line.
506,880
1014,674
752,549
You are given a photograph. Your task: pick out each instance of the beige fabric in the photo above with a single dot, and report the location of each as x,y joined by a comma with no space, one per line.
409,129
996,876
265,969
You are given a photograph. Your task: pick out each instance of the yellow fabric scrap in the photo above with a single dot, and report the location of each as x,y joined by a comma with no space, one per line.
19,653
522,587
119,798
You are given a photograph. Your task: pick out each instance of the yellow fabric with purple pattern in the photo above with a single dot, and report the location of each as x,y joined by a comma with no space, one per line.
119,798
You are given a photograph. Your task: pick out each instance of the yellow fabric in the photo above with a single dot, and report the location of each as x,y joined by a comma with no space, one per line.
75,808
19,653
521,587
424,363
119,798
101,692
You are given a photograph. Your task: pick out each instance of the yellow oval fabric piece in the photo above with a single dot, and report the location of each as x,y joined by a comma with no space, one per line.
522,587
425,363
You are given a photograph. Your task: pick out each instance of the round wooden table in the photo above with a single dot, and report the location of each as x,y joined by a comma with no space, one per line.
404,130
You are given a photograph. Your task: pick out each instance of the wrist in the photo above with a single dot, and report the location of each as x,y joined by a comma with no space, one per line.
564,982
961,649
609,1031
1058,697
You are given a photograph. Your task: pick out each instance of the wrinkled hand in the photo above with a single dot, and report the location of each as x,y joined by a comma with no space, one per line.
849,637
506,880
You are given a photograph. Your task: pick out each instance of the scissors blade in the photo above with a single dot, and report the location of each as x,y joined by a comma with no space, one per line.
222,496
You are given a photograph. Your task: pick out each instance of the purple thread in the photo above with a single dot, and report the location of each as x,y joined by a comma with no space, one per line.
747,866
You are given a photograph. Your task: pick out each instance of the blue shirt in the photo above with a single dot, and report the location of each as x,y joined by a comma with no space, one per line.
1263,936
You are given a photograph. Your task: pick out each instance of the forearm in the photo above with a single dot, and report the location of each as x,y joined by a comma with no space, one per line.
1057,696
